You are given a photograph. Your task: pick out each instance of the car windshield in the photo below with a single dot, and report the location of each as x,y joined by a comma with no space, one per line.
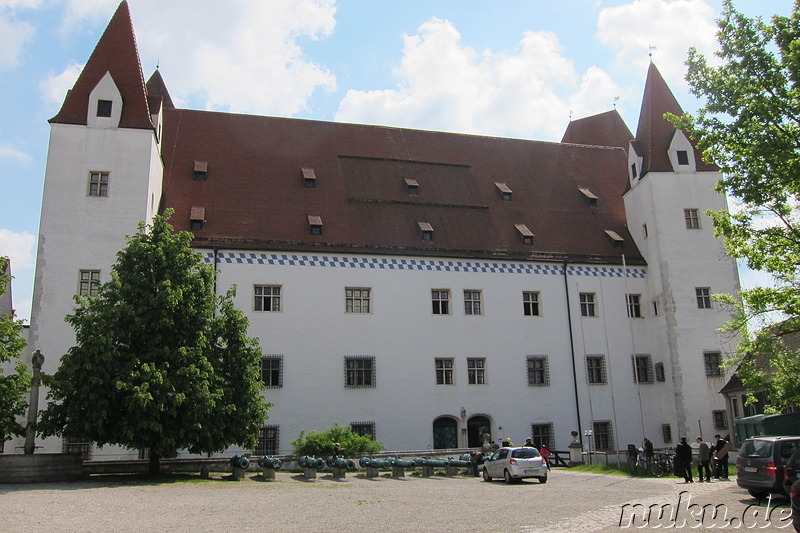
525,453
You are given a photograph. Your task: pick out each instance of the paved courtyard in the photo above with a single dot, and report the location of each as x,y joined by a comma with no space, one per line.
570,501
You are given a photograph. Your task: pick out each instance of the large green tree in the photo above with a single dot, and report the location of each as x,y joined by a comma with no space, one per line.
160,361
750,127
15,385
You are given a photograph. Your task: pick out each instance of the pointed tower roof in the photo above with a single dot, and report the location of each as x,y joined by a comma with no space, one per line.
604,129
654,134
157,88
117,54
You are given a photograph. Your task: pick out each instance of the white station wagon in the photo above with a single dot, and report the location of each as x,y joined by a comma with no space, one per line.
513,464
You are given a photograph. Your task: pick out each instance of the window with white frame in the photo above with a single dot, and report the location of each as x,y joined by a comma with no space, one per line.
588,304
476,370
596,369
472,302
267,298
444,370
634,305
98,183
359,371
538,371
530,303
357,300
712,362
703,296
88,282
440,301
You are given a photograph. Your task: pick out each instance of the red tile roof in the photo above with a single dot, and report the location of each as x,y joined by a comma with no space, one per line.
117,54
604,129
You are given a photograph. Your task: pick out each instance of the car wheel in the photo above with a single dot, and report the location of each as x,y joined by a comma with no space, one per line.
508,477
756,493
486,476
543,479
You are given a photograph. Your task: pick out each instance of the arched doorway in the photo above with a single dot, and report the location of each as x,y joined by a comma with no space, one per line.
445,433
476,426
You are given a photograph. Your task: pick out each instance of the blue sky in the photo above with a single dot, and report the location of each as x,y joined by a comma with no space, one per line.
516,68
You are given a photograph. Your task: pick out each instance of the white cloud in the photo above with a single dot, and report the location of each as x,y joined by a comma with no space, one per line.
54,89
14,34
670,26
7,152
19,247
443,85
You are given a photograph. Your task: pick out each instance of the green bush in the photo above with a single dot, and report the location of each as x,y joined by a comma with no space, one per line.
321,444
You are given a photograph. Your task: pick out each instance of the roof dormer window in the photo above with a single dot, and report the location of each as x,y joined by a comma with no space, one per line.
505,191
309,178
618,241
200,170
104,108
427,231
315,224
683,157
590,197
197,218
525,233
412,187
634,173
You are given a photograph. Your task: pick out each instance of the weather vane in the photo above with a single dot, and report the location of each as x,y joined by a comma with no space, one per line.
570,115
616,99
652,48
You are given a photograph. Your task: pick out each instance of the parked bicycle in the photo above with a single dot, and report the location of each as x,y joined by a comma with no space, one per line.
636,462
663,464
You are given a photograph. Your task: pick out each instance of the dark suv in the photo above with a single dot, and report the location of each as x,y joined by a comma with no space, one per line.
761,461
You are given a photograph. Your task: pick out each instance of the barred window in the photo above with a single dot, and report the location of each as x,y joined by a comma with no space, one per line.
603,435
530,303
75,445
538,371
720,419
267,298
272,371
440,300
89,282
364,429
666,432
472,302
660,372
596,369
712,362
267,441
357,300
542,435
476,370
359,371
642,368
444,371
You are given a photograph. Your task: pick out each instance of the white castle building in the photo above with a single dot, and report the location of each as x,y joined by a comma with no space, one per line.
422,287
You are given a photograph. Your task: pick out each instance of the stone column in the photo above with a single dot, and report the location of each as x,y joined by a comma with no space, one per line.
37,360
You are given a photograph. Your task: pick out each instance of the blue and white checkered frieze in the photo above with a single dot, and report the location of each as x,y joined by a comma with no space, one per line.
427,265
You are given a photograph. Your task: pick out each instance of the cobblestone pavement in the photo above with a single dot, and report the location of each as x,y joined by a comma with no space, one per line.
570,501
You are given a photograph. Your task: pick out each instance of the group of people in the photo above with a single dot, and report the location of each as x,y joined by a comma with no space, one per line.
718,452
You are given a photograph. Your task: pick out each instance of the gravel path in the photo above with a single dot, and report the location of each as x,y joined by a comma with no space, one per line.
570,501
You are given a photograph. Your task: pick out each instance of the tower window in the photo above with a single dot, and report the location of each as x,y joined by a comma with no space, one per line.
104,108
683,157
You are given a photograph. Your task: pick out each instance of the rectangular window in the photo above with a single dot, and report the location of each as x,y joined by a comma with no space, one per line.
98,183
364,429
634,305
703,296
588,304
642,368
666,432
472,302
644,231
655,307
530,303
104,108
272,371
542,435
720,419
440,300
356,300
712,362
595,369
660,376
267,441
359,372
81,446
735,407
692,219
538,371
683,157
476,370
89,282
603,435
267,298
444,371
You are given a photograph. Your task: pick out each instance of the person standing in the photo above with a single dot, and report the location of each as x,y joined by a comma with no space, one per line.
683,460
703,459
721,449
545,453
648,453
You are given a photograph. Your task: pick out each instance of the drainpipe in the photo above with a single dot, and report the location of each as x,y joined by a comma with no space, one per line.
572,349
